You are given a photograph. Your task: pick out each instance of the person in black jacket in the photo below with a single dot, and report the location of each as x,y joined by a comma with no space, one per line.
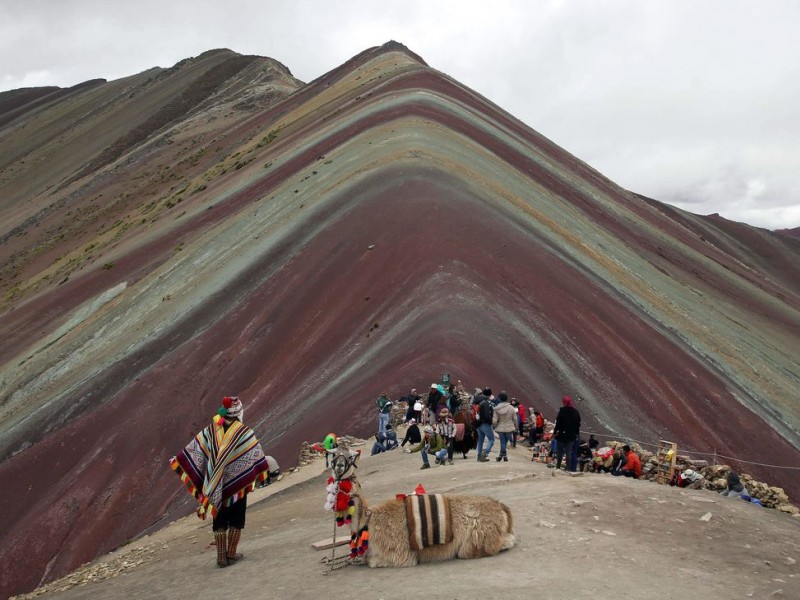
413,435
431,402
566,430
484,423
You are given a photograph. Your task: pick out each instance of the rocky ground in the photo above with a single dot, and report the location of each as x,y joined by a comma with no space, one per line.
578,536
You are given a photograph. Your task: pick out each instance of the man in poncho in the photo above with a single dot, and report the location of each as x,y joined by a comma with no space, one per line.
219,467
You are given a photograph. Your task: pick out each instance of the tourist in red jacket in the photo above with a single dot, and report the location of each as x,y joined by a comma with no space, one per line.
633,465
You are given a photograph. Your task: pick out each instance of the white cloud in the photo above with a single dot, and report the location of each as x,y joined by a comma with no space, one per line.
682,101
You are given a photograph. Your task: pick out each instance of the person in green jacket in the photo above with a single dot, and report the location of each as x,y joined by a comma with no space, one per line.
331,443
432,443
384,405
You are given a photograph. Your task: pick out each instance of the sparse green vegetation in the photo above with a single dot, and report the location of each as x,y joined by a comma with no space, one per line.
108,266
268,139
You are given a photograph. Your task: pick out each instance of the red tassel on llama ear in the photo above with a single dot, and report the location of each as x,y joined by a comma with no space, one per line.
419,490
227,401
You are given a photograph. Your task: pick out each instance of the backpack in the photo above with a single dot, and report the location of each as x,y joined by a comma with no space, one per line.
486,412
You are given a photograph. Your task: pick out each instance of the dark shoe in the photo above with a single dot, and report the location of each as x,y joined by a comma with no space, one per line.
425,466
505,458
499,458
232,560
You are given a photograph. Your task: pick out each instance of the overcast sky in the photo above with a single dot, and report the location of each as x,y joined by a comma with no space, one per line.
693,103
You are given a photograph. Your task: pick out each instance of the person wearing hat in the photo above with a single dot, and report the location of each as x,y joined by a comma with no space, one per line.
219,467
434,396
330,443
691,480
432,443
446,427
566,431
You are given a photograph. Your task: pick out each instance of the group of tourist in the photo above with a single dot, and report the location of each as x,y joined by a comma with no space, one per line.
450,420
225,461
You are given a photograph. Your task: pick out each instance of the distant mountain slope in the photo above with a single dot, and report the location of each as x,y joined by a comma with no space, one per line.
216,228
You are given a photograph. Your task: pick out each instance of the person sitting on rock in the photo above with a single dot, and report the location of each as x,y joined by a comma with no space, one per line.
432,443
384,441
632,467
735,487
413,435
585,456
536,431
691,480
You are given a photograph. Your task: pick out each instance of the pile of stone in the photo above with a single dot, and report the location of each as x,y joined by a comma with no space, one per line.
110,566
769,496
715,479
308,454
397,416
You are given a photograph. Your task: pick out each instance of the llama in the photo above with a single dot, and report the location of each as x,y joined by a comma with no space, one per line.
401,532
465,431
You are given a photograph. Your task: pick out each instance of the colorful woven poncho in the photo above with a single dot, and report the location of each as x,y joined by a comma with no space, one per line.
220,467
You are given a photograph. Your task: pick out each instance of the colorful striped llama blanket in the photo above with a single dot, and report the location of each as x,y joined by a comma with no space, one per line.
219,467
429,520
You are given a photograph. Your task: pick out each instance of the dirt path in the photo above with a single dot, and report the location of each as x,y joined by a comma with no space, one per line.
590,536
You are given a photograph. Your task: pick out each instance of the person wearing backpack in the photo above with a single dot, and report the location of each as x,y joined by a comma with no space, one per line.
484,420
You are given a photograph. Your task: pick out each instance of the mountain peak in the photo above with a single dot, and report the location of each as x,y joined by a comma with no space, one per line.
221,228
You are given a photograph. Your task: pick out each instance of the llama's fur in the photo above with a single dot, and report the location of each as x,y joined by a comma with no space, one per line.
470,441
481,527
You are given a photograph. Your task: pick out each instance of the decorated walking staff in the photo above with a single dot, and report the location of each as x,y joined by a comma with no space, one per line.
342,489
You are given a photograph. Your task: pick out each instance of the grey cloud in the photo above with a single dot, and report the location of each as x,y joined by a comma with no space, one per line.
682,101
